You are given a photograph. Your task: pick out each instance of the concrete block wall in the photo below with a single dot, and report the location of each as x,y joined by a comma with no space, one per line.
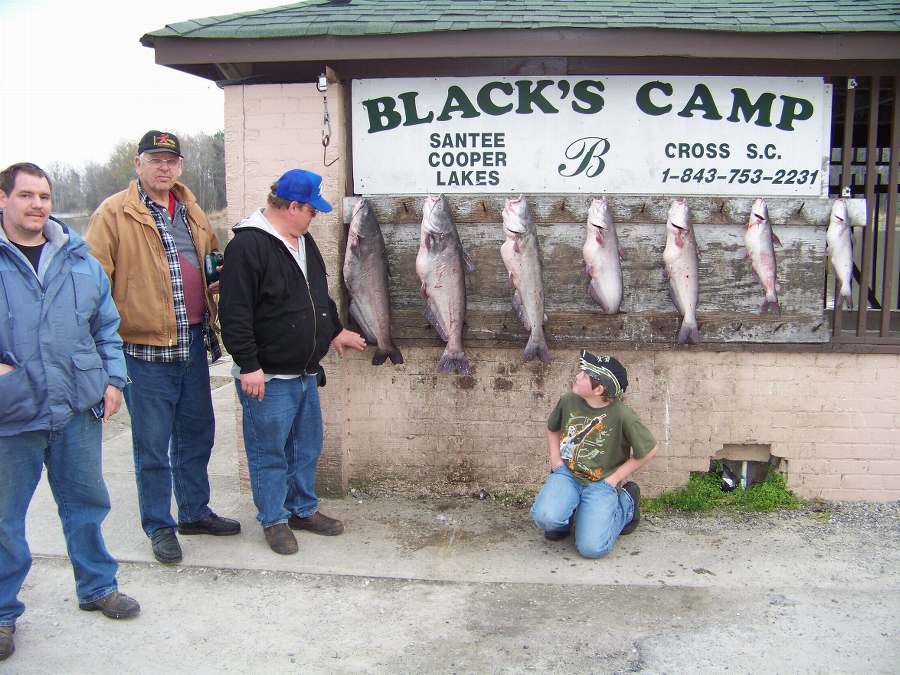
837,440
270,128
833,418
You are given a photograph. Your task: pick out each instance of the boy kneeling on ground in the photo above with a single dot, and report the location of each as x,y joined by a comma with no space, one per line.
595,443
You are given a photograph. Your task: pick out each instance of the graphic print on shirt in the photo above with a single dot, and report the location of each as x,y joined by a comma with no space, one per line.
584,440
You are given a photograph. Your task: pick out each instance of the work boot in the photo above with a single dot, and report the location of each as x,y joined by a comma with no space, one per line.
115,606
165,546
7,646
212,524
318,523
632,488
281,539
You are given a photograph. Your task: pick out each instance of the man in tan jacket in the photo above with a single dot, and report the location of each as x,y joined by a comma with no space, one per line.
152,239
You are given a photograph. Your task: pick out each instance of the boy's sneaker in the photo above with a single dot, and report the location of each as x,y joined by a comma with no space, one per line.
632,488
556,535
7,646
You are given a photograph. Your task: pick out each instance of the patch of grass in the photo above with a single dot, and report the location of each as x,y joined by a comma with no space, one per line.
770,495
702,493
523,497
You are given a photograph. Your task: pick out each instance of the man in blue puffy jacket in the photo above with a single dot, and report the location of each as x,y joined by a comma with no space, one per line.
61,372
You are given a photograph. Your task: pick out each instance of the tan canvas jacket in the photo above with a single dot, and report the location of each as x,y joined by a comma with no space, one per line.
122,235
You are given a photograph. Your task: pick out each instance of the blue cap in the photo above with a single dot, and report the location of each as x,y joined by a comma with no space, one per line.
298,185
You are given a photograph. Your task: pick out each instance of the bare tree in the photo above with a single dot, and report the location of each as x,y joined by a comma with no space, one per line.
67,192
204,173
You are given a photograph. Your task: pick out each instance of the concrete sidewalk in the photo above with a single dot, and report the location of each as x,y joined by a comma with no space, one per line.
462,585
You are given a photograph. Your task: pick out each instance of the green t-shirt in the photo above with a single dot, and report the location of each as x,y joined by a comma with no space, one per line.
597,441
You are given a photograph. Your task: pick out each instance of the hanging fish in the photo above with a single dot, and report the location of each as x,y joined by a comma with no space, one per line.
761,242
602,255
840,250
366,277
682,261
441,264
522,257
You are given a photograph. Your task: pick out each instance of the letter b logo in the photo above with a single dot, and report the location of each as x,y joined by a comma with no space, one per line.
588,153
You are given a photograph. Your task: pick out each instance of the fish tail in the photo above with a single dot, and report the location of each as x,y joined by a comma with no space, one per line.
536,349
388,352
689,333
457,361
847,296
770,306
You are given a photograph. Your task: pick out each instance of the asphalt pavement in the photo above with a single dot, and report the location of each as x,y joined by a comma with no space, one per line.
458,584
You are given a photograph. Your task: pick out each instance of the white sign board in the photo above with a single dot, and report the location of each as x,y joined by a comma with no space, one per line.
751,136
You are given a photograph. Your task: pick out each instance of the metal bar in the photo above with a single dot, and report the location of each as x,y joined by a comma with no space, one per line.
871,227
891,218
847,147
846,190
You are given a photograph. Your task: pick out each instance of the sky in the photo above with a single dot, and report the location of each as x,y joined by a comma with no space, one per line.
75,79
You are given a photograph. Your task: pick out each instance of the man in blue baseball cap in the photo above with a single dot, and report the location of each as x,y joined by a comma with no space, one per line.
303,187
278,322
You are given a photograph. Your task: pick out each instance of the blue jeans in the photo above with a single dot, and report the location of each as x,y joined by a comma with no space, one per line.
75,474
602,511
283,439
172,434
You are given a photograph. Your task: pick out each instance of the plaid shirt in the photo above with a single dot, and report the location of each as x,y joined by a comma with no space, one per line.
181,351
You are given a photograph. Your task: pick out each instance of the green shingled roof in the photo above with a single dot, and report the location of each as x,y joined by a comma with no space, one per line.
396,17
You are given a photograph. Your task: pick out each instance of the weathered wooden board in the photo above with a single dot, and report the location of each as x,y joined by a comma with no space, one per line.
730,295
547,209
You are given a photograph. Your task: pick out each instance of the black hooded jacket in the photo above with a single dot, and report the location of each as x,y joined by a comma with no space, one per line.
271,317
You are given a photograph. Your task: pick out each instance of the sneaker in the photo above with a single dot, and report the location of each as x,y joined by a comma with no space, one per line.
7,646
115,606
281,539
165,545
318,523
212,524
632,488
556,535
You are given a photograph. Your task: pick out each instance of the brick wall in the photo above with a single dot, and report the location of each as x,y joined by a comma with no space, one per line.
838,440
832,418
269,129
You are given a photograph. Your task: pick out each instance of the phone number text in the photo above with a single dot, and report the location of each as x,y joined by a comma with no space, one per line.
741,176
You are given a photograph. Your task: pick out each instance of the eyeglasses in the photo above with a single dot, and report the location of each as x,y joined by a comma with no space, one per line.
157,162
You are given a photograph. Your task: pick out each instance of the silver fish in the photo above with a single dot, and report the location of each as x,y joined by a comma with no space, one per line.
602,254
522,257
840,249
441,264
366,277
682,261
760,242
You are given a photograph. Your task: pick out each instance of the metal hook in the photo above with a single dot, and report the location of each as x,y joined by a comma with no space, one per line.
326,133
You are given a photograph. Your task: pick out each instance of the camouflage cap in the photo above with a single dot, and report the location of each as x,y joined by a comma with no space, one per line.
607,370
